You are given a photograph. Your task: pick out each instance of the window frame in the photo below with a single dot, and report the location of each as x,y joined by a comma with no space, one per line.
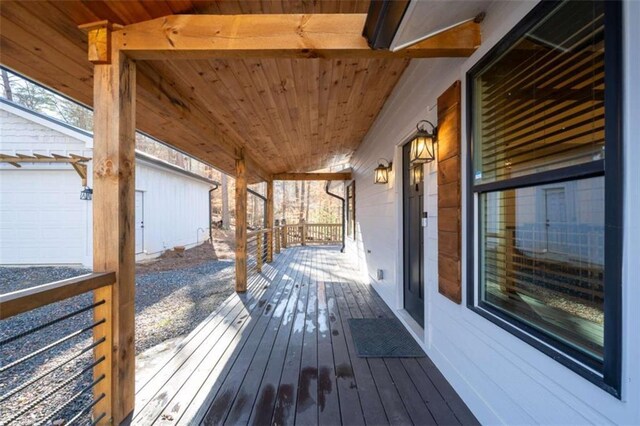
608,375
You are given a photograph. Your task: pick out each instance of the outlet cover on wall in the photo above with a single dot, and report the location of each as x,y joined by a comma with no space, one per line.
380,274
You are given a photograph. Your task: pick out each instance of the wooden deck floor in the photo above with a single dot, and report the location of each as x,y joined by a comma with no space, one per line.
282,354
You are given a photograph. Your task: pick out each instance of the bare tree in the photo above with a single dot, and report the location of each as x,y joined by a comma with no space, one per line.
6,83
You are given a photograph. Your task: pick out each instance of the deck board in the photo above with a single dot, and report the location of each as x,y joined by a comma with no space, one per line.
283,354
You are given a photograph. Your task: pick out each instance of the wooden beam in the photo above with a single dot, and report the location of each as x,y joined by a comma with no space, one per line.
313,176
99,41
277,36
114,233
241,224
270,223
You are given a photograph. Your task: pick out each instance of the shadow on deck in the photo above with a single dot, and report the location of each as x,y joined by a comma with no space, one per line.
282,354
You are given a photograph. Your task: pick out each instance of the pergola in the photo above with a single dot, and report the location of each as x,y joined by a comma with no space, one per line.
263,96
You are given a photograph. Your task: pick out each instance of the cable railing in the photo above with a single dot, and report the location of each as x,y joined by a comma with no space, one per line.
55,371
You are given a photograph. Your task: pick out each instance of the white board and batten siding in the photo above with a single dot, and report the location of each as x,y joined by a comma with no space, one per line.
502,379
44,222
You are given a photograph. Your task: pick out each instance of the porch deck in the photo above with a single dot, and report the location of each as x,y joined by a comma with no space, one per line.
282,353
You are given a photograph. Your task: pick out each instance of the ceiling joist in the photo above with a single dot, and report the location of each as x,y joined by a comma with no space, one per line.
266,36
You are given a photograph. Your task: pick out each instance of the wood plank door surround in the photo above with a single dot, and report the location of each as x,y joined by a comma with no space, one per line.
413,241
449,202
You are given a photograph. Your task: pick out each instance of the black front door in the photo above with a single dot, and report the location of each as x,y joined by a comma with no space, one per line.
413,202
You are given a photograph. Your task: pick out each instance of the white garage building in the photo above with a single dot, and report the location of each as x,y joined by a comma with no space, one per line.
43,221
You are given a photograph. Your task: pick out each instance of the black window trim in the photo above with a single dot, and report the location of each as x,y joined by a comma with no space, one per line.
610,377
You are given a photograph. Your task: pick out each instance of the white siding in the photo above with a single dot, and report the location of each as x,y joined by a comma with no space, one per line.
501,378
43,220
175,208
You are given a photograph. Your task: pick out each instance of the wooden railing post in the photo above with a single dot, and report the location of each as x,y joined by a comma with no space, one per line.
276,237
303,234
259,251
113,227
269,217
241,224
285,231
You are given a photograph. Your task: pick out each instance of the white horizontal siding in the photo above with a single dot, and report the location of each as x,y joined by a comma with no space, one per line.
501,378
43,220
175,208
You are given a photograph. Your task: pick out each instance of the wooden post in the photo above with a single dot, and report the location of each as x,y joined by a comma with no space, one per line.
114,234
241,224
303,234
276,236
269,215
270,246
259,251
285,231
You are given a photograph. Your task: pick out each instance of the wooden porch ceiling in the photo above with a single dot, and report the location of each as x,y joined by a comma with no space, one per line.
289,115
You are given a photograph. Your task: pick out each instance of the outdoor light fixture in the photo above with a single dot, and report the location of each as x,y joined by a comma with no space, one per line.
381,173
423,143
86,193
417,174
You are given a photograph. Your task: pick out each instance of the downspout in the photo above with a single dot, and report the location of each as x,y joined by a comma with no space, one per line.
215,186
344,206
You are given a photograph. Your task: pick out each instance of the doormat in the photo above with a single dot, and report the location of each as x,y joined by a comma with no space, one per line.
383,338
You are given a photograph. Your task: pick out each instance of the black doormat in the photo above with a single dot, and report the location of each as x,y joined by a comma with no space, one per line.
383,338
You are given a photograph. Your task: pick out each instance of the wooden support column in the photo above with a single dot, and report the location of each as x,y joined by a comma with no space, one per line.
270,223
113,232
241,224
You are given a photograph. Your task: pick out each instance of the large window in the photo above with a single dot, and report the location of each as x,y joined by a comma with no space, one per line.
545,178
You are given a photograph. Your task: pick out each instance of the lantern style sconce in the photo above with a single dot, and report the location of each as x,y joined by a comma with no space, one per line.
423,144
86,193
417,174
381,173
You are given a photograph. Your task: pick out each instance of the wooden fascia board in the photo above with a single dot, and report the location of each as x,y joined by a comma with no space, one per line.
313,176
276,36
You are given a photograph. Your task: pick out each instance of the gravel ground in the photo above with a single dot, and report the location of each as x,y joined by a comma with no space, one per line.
169,304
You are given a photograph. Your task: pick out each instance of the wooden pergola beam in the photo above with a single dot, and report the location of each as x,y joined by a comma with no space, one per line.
76,161
313,176
275,36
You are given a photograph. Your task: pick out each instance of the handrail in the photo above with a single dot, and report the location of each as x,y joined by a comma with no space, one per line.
259,231
20,301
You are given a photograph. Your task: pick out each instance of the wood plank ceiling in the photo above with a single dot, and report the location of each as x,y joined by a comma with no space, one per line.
291,115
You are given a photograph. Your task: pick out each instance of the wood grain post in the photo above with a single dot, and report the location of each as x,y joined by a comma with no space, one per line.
269,216
276,236
270,246
303,234
285,231
114,234
259,251
241,224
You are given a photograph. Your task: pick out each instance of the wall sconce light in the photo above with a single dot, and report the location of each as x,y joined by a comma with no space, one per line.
417,174
381,173
423,143
86,193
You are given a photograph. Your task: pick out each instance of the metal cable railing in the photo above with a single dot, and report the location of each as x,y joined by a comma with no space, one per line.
48,374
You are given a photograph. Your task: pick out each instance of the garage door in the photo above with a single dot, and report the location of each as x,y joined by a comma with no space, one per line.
42,219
